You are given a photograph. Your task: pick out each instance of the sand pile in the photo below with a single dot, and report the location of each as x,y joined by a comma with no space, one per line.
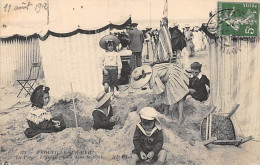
84,145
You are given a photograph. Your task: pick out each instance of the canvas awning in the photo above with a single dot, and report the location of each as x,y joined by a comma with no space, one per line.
60,18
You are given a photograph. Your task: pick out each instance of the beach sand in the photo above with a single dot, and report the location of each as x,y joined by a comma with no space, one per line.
83,145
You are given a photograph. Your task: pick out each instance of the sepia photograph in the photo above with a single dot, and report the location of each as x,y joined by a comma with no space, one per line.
129,82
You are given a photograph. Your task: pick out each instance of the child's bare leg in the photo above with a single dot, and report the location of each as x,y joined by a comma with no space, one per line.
112,89
134,159
162,157
106,87
180,109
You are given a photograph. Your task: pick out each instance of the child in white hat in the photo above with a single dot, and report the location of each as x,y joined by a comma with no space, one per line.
148,139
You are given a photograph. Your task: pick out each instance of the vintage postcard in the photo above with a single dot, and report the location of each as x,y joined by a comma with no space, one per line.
132,82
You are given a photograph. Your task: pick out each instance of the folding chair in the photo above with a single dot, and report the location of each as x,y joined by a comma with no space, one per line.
27,84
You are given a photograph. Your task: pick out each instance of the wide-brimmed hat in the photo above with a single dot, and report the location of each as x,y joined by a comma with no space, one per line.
134,24
187,25
174,24
107,38
148,28
140,76
102,98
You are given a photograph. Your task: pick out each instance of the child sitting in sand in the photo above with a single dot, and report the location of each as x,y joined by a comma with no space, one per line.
148,139
197,84
40,120
110,63
103,114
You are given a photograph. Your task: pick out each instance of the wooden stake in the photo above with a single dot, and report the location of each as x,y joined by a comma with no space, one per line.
207,129
209,141
245,140
74,106
210,124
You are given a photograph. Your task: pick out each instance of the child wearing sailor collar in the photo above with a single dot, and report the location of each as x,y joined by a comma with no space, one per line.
148,139
197,84
103,113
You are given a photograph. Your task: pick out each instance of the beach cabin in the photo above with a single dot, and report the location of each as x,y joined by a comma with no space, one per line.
65,39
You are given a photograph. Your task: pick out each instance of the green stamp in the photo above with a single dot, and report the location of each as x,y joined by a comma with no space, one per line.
238,19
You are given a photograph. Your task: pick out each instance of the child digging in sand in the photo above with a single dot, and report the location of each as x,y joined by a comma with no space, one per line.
148,139
40,120
103,113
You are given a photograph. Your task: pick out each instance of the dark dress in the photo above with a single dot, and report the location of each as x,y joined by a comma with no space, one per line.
40,121
178,41
101,120
199,85
145,143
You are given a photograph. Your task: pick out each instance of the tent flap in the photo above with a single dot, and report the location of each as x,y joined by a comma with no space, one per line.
59,18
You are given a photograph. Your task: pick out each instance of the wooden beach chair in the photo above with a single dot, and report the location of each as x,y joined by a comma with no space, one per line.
28,83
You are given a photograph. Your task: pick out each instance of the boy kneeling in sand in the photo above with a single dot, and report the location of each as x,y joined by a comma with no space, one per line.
148,139
103,113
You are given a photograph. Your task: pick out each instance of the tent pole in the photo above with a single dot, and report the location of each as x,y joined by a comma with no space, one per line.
48,11
74,106
150,13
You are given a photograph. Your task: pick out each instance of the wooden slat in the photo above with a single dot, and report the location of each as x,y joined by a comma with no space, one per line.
235,80
17,56
211,140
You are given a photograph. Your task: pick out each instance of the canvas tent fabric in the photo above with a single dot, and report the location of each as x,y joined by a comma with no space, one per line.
43,17
69,33
75,60
70,51
234,76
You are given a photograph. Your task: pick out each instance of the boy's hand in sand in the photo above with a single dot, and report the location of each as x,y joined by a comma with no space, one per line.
57,123
117,127
114,119
150,155
143,155
117,118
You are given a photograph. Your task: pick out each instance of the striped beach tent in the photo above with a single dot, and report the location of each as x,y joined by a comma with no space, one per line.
163,49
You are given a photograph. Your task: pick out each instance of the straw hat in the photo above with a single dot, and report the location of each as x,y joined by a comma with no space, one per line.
148,28
102,98
140,76
175,24
134,24
107,38
187,25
